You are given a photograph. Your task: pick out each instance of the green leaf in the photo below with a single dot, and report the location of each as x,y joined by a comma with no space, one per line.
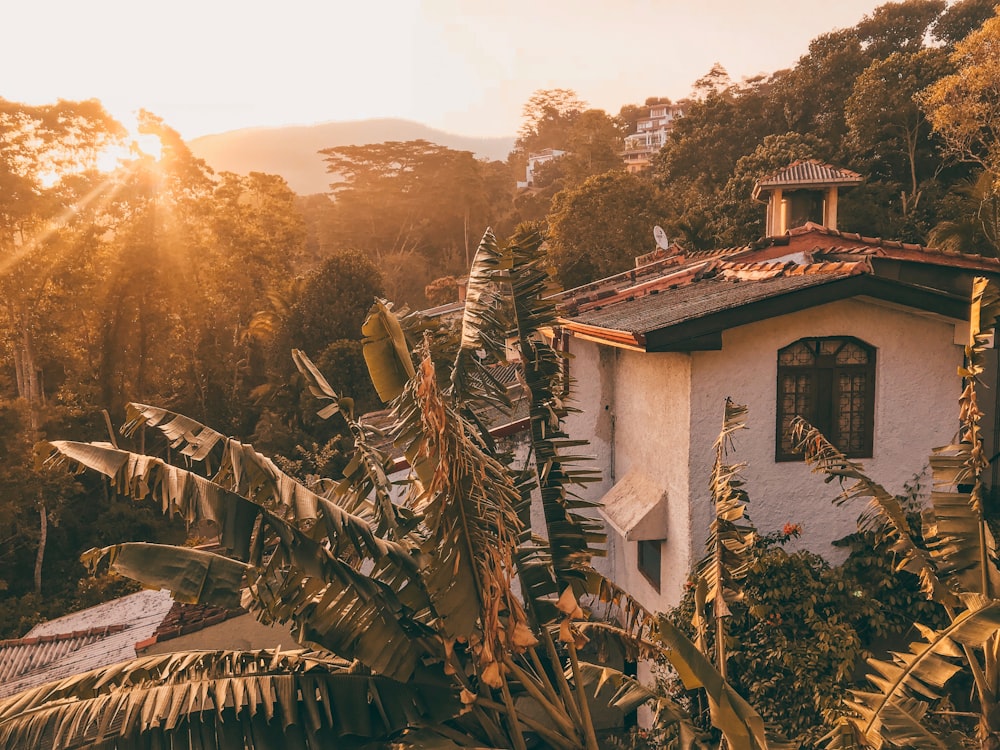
192,576
386,352
731,714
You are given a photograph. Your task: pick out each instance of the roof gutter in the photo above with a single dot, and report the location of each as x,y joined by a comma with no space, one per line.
614,337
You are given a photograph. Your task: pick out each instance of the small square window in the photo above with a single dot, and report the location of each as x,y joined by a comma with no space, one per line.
649,560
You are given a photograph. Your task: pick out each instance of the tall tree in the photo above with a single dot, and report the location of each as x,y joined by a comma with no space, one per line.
888,127
597,228
898,27
964,107
737,218
960,19
395,199
546,118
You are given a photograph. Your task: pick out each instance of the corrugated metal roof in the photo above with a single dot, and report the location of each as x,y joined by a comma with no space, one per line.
809,172
78,642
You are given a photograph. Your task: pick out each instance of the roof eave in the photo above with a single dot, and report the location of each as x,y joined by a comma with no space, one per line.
920,298
705,333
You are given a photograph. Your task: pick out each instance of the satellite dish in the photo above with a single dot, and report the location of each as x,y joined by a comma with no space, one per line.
661,238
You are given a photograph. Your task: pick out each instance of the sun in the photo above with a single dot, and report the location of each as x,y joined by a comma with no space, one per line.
135,145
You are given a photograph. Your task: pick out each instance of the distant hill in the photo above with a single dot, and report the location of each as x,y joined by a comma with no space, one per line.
291,151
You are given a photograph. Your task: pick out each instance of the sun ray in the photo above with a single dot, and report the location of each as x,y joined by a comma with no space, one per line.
93,196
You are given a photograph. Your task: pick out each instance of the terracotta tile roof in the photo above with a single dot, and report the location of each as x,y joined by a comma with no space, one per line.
183,619
627,308
715,288
807,173
78,642
819,242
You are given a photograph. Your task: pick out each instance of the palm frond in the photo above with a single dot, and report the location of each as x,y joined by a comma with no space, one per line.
366,482
484,327
730,534
469,508
955,528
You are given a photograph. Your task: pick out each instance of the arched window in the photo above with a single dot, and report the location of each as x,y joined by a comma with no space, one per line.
831,383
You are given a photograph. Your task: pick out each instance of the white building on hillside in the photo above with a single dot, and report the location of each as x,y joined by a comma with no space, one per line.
650,135
861,336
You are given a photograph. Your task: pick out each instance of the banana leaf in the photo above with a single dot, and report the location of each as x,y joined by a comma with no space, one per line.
382,617
883,513
573,536
894,711
386,352
742,727
730,534
192,576
299,699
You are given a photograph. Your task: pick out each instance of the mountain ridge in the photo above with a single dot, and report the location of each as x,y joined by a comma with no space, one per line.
291,151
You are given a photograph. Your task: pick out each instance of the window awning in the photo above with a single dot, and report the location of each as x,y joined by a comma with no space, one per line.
636,507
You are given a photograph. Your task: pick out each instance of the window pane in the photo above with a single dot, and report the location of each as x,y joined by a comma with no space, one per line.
853,388
796,401
828,382
852,354
649,561
798,353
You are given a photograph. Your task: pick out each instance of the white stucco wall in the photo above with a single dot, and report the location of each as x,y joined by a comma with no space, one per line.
916,392
668,411
636,413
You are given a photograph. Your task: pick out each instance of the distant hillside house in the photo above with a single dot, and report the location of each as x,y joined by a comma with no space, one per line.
859,335
650,135
534,161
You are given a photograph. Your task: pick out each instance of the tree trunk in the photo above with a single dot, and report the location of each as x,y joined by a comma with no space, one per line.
42,538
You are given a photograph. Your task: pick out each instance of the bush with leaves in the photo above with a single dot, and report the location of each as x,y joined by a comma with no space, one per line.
804,627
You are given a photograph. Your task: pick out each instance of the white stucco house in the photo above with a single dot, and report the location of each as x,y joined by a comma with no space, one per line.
861,336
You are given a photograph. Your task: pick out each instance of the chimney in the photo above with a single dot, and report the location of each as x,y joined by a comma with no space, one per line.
804,191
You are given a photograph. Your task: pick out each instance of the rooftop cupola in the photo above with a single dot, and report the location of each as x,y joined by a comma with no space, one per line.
803,191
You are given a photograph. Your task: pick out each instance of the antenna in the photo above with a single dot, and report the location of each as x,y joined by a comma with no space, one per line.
661,238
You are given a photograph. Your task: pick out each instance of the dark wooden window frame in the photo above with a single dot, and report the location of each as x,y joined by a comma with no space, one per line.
824,375
649,560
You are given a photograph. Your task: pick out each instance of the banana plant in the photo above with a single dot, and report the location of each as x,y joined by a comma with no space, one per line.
730,538
955,559
432,618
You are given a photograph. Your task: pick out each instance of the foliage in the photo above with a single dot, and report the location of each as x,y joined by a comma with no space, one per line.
740,220
420,593
887,125
546,117
964,107
333,301
955,563
412,199
976,226
597,229
960,19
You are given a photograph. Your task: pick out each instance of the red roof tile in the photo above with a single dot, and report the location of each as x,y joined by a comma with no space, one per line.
808,173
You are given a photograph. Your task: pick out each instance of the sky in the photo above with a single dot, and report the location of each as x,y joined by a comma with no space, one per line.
464,66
